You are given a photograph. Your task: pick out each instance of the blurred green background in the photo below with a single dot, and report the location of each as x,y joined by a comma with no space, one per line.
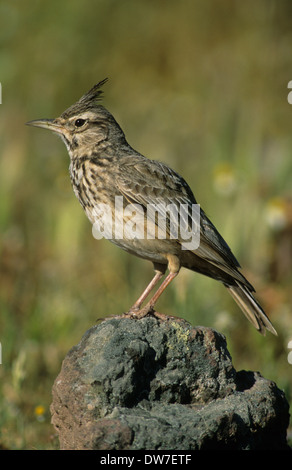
199,85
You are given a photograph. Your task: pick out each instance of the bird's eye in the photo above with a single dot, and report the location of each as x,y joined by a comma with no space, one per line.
79,122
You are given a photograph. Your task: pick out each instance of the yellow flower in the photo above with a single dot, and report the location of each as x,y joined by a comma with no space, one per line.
276,213
39,412
224,179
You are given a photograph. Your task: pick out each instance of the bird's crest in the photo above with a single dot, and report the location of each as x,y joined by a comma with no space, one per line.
94,94
88,101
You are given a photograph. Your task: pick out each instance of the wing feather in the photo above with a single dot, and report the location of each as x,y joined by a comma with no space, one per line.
149,183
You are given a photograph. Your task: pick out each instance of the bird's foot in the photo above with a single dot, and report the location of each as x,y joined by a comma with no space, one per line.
137,314
134,313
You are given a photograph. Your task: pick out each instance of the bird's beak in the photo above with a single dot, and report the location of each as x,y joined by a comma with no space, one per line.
49,124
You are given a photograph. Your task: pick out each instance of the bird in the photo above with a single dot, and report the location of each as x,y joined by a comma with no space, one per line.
104,169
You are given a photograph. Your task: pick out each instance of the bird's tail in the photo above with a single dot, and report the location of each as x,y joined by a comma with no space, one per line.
251,308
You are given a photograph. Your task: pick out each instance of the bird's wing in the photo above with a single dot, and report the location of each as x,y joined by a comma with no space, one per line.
147,182
160,191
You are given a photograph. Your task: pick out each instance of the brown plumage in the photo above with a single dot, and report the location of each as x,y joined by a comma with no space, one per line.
104,166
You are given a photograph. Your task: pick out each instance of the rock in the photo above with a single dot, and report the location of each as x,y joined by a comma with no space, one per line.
150,384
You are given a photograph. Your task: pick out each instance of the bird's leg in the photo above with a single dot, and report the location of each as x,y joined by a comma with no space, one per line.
146,292
159,272
174,267
149,307
159,291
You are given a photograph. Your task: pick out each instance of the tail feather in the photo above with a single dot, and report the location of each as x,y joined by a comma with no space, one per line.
251,308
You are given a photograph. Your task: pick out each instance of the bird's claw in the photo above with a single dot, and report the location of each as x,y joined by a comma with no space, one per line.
137,314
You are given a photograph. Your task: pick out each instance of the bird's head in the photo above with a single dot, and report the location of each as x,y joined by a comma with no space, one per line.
85,125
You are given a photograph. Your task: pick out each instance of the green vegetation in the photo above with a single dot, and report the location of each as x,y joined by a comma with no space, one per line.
199,85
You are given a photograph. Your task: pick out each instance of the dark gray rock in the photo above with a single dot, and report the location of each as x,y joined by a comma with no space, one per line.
150,384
